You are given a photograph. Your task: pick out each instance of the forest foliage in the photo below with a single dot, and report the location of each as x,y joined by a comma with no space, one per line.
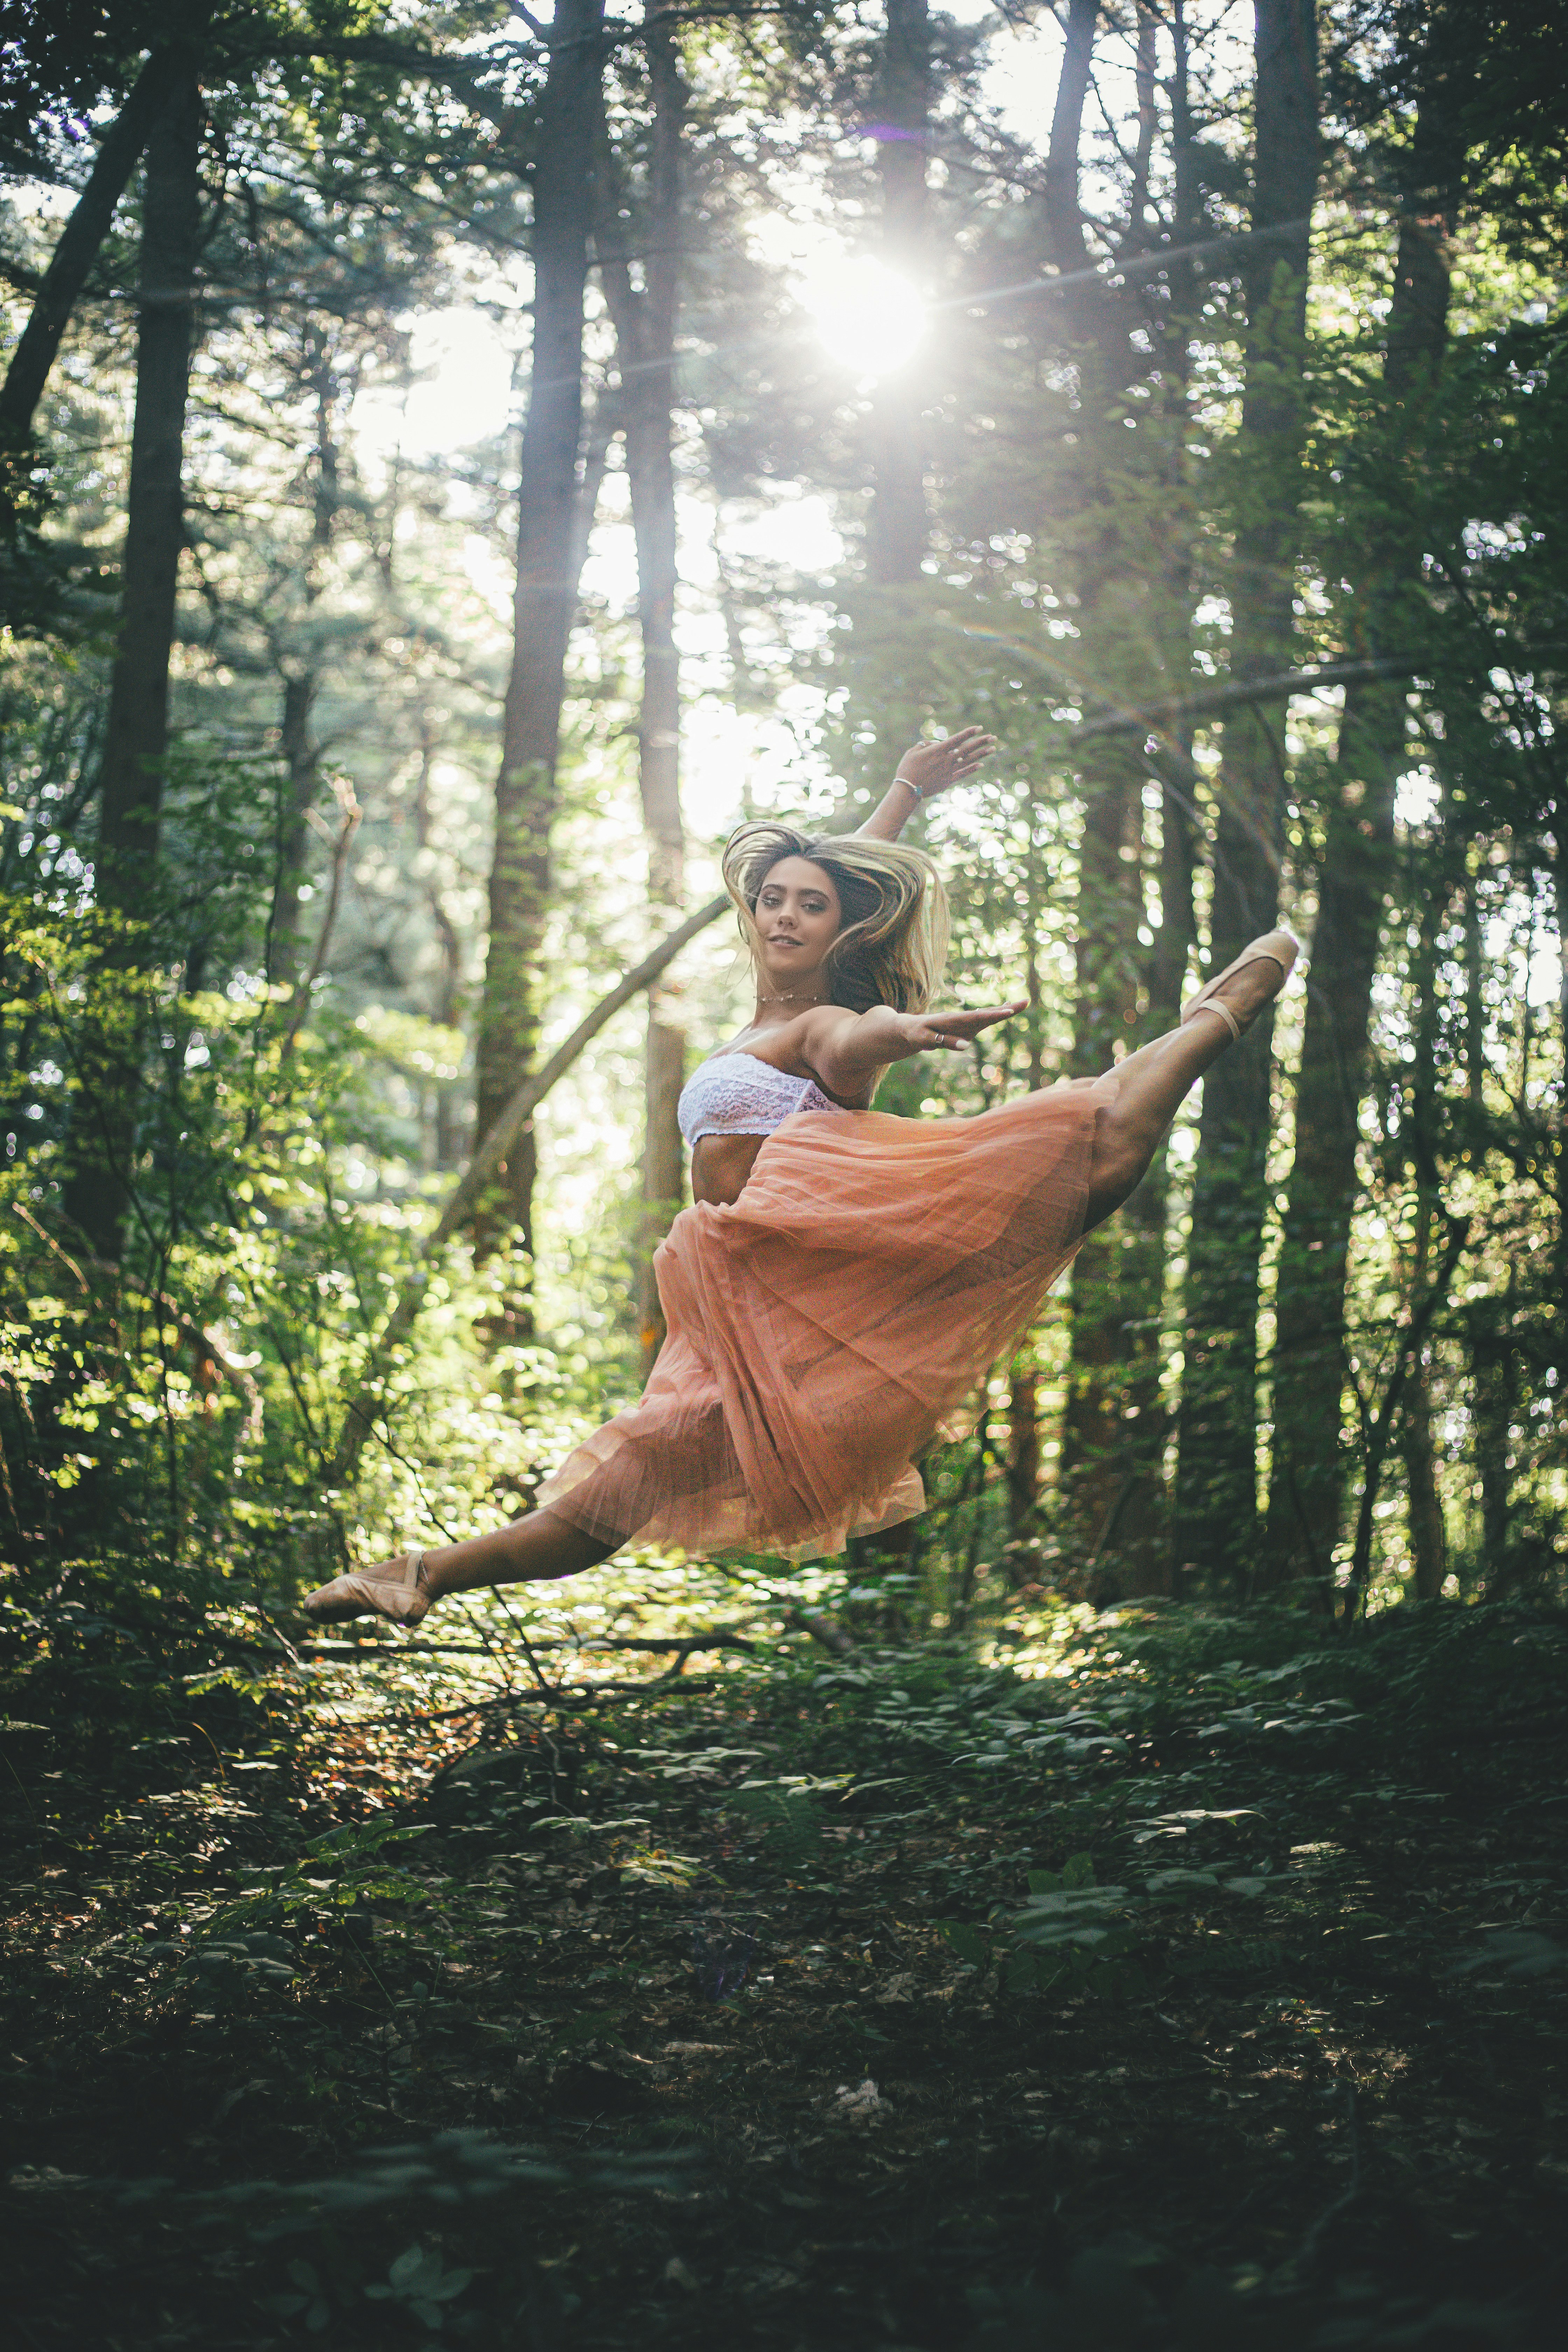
1160,440
455,465
1150,448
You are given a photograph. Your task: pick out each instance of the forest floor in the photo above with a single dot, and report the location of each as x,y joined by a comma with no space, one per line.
705,2016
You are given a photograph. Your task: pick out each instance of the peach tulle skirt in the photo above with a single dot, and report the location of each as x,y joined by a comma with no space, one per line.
823,1327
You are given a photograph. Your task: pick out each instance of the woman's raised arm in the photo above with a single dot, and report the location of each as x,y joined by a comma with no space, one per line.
926,770
850,1051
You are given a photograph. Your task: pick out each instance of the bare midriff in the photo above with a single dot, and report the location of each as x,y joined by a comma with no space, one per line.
720,1165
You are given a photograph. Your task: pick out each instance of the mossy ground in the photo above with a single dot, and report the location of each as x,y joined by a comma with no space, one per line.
529,2104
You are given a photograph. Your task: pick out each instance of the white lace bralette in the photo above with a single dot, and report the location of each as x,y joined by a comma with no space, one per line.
738,1094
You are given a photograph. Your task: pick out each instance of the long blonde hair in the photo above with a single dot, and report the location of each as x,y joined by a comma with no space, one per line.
893,944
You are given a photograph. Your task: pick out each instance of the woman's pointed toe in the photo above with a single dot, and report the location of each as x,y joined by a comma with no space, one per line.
397,1591
1278,947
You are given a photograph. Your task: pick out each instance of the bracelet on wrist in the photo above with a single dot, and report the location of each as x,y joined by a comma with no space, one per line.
910,785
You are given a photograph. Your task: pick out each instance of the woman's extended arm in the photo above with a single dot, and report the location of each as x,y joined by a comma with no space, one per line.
925,769
849,1050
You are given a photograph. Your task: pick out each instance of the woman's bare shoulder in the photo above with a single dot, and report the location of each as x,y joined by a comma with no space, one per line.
824,1024
788,1045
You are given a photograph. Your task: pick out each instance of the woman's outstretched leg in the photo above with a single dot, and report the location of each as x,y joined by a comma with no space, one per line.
533,1549
680,1454
1155,1082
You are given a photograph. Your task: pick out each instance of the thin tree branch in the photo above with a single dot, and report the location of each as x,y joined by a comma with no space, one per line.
205,1346
717,1637
300,1004
821,1629
119,152
481,1172
1233,693
1379,1432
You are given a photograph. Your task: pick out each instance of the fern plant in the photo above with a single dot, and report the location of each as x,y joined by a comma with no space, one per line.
1071,1938
788,1817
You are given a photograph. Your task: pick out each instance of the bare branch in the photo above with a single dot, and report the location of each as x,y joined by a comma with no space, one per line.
481,1171
119,151
821,1629
300,1006
1235,692
717,1637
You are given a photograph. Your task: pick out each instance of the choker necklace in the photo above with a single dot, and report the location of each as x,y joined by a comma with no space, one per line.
793,996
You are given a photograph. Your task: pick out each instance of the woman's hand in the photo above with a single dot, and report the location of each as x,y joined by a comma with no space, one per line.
949,1033
933,767
849,1050
926,770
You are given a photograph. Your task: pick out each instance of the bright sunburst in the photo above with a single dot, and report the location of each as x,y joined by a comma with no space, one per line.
869,318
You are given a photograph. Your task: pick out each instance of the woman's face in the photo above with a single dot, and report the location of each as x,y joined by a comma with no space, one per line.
798,917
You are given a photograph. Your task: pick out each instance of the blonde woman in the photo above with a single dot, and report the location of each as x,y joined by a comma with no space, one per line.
842,1279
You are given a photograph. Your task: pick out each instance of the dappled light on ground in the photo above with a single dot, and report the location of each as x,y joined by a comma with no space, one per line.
1211,1991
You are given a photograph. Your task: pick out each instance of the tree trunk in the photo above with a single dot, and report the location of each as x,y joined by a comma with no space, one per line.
601,430
892,699
1094,1464
1494,1373
1065,236
1088,1467
1217,1480
1023,1450
1556,840
1475,974
301,753
1138,1558
1117,1276
301,757
170,70
1428,1536
645,326
138,728
1138,1561
1024,1400
563,174
1307,1486
137,732
897,532
447,1139
1172,765
890,686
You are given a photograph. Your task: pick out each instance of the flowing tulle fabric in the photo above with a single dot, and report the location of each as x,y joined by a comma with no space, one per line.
824,1327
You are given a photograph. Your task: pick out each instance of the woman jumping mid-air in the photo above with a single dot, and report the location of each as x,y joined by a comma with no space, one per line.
844,1279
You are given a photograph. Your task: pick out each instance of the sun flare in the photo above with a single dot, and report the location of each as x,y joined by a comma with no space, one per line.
868,318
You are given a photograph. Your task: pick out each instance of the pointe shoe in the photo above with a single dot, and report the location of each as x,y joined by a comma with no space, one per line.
1276,947
397,1590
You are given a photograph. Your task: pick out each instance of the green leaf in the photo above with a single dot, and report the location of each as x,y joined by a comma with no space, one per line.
1257,1957
967,1942
1022,1972
1079,1872
576,2032
788,1816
